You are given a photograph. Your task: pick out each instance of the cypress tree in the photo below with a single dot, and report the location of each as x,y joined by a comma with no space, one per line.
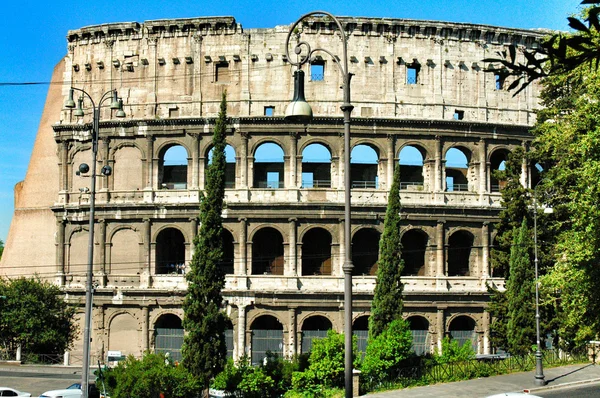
520,329
204,350
387,303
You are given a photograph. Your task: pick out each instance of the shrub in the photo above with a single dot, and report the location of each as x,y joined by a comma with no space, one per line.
453,352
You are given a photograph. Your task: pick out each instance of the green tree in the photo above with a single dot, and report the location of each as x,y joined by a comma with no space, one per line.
387,352
204,351
452,351
387,303
149,377
35,316
1,247
520,330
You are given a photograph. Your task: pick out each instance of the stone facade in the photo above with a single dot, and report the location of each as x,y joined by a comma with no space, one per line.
418,86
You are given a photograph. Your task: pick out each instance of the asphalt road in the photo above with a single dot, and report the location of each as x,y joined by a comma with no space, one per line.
578,391
37,383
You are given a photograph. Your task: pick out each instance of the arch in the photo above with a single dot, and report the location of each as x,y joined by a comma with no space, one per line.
78,252
360,329
314,327
123,334
498,159
411,158
365,251
316,166
229,338
228,252
414,247
229,164
267,252
457,169
316,252
419,327
460,253
462,329
81,182
269,166
168,336
173,166
128,168
364,161
267,335
536,173
124,252
170,252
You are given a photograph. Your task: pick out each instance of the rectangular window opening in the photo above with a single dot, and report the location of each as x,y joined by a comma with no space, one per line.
317,71
458,114
269,110
222,72
412,74
499,81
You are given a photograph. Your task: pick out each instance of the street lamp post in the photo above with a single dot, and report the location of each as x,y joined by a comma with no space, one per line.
300,112
116,104
539,367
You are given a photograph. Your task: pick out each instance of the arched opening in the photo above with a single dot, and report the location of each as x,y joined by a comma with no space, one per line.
229,339
127,169
124,329
364,163
316,166
360,329
457,168
411,168
497,163
314,327
267,335
536,173
170,252
124,250
227,263
460,249
168,336
414,247
365,251
173,168
462,329
419,328
316,252
267,252
229,165
269,167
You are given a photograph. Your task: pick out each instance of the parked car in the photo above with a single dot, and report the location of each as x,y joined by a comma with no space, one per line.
73,391
11,392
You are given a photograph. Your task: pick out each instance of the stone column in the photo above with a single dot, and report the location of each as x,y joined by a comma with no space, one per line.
441,328
243,169
292,264
147,265
64,166
482,166
441,248
241,335
60,252
293,342
524,169
391,161
106,181
101,258
485,250
242,264
342,256
193,233
197,166
293,173
145,335
486,332
149,162
438,165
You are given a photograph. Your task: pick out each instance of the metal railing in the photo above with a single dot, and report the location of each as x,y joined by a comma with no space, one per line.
417,185
316,183
364,184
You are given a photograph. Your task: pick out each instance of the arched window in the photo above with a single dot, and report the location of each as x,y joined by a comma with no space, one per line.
365,251
462,329
229,165
267,335
364,164
227,263
124,252
172,168
419,327
269,167
267,252
360,329
316,167
127,169
414,247
170,252
497,163
457,168
460,250
314,327
411,168
316,252
168,336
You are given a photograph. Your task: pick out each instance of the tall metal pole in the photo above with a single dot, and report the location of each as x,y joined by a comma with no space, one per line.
539,366
347,108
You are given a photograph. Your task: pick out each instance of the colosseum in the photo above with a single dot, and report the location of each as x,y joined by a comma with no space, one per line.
421,101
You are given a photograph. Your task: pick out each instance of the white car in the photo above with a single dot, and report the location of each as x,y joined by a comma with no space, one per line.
66,393
11,392
514,394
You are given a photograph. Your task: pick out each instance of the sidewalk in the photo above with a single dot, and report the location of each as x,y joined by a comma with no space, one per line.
515,382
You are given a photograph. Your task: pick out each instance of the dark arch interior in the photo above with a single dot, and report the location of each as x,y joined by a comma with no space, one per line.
365,251
316,252
316,322
266,322
170,252
227,252
169,321
460,246
496,160
414,246
267,252
418,323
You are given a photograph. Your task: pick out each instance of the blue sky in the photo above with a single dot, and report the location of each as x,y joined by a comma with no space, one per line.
33,41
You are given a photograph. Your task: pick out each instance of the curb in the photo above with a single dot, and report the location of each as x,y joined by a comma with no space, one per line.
563,385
